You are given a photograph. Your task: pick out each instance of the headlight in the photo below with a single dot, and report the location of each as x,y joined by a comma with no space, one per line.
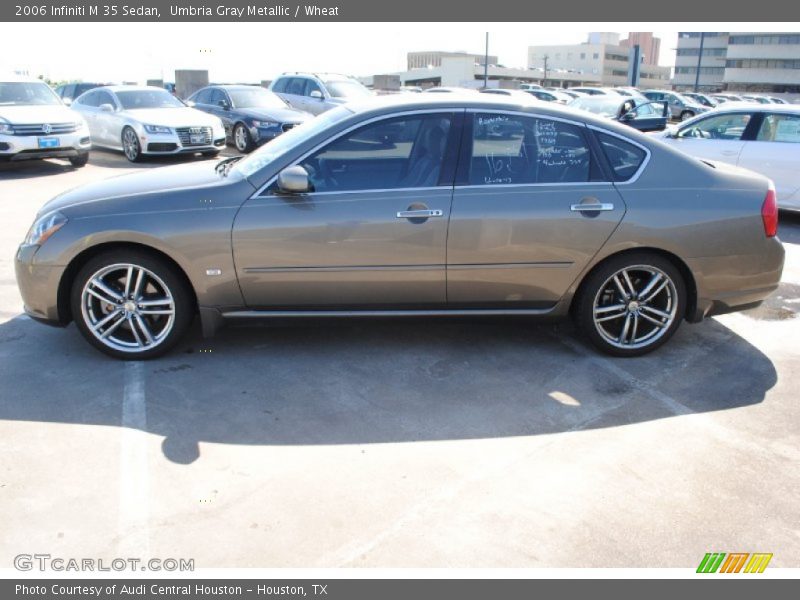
44,227
264,123
157,129
6,128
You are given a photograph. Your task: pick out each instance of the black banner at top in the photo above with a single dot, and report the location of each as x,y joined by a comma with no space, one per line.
399,10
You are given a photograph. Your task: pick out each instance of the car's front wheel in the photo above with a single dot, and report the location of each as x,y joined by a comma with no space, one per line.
130,304
632,304
242,139
687,114
80,160
130,145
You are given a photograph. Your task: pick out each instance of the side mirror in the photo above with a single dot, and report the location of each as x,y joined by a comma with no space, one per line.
106,108
628,116
224,104
316,94
294,180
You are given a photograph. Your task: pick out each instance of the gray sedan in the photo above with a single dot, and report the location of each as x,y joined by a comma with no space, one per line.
409,205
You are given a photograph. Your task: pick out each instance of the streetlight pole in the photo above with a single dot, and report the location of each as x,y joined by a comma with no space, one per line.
486,64
699,61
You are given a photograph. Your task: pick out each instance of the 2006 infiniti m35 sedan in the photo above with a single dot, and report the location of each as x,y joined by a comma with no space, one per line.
403,206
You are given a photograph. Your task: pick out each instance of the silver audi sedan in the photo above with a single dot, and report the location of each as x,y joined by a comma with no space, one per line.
145,120
430,204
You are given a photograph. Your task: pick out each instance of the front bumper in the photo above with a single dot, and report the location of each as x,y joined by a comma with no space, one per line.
38,286
170,143
262,135
26,147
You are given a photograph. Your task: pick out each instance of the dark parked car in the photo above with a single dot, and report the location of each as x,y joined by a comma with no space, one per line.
69,91
252,115
411,205
644,116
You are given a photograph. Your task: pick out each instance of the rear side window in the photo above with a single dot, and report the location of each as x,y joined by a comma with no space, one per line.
779,128
624,158
516,149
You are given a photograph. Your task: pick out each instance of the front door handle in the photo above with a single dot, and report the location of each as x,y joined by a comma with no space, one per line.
593,207
419,214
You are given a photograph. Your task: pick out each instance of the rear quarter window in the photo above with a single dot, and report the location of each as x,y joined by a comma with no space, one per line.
624,158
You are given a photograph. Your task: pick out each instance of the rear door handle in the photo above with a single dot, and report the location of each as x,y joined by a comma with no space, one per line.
594,207
419,214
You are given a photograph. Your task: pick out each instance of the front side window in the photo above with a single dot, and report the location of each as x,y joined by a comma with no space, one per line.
515,149
88,99
296,86
729,126
779,128
105,98
312,86
403,152
202,97
624,158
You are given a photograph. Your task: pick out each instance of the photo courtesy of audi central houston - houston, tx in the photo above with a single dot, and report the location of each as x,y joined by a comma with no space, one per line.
411,205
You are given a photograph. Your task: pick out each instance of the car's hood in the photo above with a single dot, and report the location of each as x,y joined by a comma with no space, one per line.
26,115
151,181
281,115
181,116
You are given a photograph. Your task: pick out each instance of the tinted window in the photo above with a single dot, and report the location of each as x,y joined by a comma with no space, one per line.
404,152
780,128
296,86
280,85
104,98
83,87
311,86
135,99
510,149
346,89
27,94
217,96
623,157
727,126
89,99
202,97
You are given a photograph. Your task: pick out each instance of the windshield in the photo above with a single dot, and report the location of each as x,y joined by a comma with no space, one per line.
27,93
347,89
607,107
295,136
134,99
255,98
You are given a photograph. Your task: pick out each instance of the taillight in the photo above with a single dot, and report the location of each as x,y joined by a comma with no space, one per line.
769,213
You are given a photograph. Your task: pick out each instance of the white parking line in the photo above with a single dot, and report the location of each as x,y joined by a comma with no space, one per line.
134,478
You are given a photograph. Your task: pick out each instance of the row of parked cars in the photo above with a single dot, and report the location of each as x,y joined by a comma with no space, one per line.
38,122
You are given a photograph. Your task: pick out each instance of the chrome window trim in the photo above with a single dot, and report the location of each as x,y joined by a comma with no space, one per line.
263,188
633,178
522,113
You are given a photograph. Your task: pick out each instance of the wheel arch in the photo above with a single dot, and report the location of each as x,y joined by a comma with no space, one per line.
688,277
80,259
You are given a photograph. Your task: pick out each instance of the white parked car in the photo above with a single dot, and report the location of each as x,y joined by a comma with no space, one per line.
148,120
764,138
35,123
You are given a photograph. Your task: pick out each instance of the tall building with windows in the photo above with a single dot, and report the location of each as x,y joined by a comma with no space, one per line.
649,44
738,62
433,58
601,61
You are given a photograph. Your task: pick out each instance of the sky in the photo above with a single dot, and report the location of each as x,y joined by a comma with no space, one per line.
250,52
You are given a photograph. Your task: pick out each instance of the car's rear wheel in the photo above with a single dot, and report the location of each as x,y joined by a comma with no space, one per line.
130,145
242,139
130,304
631,304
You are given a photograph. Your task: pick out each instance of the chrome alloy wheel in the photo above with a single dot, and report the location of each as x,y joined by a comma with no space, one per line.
240,138
635,306
130,144
127,308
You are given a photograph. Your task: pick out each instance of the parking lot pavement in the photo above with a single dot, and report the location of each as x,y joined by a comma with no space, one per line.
446,443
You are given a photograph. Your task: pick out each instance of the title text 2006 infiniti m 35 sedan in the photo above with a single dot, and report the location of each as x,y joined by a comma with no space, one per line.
444,205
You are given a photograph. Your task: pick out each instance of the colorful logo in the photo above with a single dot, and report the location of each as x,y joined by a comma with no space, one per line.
734,562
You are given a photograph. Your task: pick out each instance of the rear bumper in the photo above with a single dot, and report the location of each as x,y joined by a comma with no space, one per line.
732,283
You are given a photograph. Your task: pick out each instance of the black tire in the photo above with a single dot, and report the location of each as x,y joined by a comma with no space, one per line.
687,114
80,160
173,280
598,288
242,140
131,146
